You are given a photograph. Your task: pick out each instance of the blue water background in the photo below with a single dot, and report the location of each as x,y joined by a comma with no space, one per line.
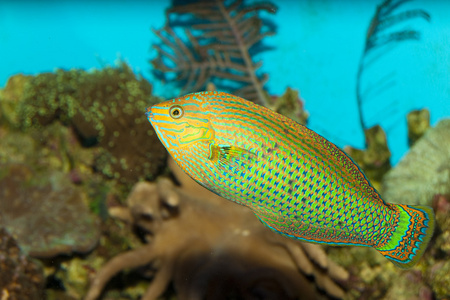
316,50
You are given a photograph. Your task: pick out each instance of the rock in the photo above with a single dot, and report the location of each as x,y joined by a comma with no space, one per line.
47,216
20,277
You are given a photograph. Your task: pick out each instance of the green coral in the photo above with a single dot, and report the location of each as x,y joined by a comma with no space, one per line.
9,97
106,108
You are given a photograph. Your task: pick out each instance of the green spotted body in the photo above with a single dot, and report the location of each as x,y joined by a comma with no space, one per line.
296,182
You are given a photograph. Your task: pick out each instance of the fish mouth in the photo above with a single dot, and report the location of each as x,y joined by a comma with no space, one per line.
149,113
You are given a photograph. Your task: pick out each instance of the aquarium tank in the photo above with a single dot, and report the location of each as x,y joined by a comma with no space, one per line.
126,127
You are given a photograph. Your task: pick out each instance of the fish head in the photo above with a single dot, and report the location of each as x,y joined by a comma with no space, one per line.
209,132
182,124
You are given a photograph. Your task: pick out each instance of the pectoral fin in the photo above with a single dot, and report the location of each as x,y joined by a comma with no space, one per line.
227,156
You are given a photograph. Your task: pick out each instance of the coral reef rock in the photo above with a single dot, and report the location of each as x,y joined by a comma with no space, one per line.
210,248
105,107
424,171
20,278
418,123
440,279
291,105
47,214
374,160
438,271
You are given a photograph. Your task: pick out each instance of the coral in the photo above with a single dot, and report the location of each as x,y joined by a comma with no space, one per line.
441,206
440,279
52,147
424,171
424,175
374,160
68,277
45,212
291,105
418,124
74,274
438,272
9,96
49,181
213,249
218,46
409,286
20,278
105,108
373,277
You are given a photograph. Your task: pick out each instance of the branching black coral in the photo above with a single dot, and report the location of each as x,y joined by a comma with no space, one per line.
379,36
218,43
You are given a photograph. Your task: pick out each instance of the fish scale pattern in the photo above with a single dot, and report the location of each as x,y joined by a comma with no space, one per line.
298,183
296,190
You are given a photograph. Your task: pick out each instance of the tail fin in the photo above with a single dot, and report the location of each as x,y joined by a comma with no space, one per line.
411,236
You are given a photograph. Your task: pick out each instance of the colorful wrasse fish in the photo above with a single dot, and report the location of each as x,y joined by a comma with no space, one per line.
297,183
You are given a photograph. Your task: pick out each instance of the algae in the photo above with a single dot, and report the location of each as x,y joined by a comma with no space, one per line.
104,107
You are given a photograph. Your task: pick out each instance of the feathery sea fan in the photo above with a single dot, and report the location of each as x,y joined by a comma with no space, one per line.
217,45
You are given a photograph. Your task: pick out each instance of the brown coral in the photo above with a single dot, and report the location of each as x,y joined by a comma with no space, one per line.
214,249
374,160
418,123
291,105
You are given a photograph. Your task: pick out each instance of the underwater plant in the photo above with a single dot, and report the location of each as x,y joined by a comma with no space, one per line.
381,38
217,44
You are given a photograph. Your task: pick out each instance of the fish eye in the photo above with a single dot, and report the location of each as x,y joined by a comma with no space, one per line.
176,112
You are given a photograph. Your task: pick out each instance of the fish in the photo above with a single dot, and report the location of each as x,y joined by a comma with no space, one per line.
298,183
